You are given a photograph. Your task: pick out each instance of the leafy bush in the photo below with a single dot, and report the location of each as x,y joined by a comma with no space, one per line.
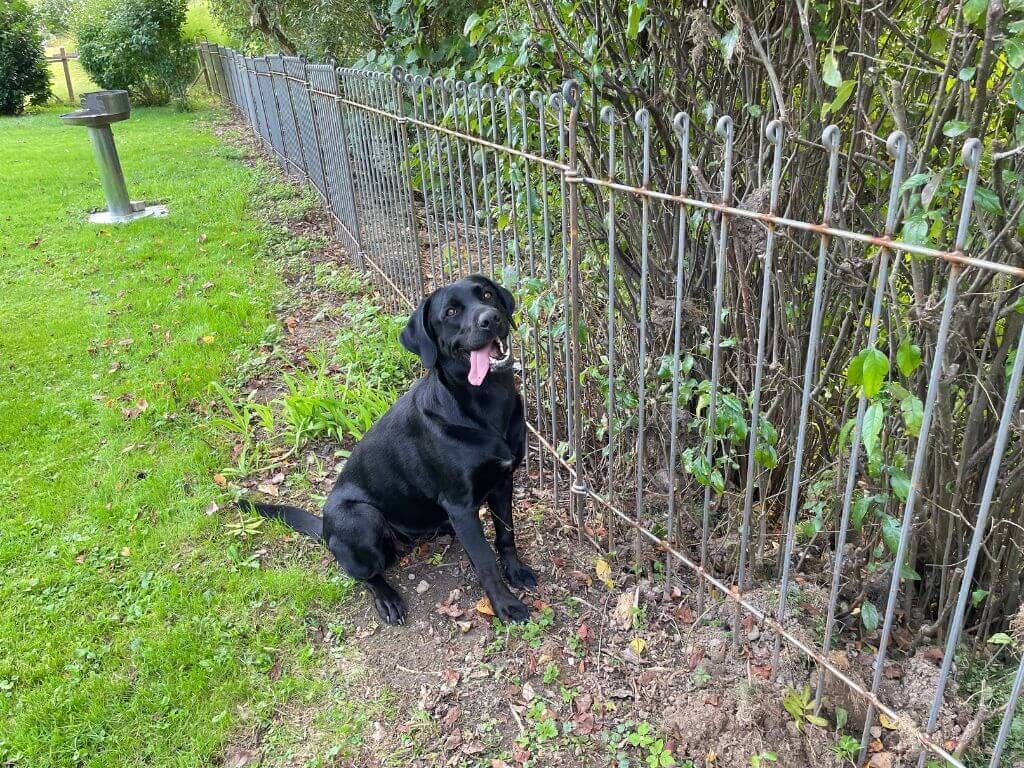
138,46
23,72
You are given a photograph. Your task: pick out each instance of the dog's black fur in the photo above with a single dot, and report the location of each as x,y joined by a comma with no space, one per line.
443,449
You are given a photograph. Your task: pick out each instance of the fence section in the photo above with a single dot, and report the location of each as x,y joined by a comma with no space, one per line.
733,384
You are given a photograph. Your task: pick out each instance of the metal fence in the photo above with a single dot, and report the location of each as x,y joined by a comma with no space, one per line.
427,179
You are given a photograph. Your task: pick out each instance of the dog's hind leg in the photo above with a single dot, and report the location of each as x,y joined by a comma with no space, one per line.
364,547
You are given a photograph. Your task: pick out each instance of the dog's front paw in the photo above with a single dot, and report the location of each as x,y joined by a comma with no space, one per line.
520,575
390,607
512,611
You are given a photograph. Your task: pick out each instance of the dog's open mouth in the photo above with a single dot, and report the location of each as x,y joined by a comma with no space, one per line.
496,355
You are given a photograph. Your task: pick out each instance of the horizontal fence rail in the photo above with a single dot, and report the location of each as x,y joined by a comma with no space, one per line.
732,383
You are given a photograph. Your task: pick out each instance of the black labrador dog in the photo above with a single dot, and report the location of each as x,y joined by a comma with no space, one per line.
448,445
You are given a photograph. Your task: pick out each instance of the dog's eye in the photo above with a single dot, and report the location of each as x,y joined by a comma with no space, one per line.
452,312
488,295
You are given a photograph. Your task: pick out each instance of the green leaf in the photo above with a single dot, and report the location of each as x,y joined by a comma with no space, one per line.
975,10
1017,90
872,429
841,717
988,201
900,483
843,93
874,370
821,722
859,511
844,433
830,71
938,41
914,181
909,574
869,616
891,533
1014,50
908,356
954,128
1000,638
728,41
915,229
967,74
977,596
472,22
913,414
855,370
636,15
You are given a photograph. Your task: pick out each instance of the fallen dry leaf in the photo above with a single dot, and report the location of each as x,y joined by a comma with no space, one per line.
604,572
483,605
528,693
882,760
452,717
269,489
622,616
219,480
887,722
638,645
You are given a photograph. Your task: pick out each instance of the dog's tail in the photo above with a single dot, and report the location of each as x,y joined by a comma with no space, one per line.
299,519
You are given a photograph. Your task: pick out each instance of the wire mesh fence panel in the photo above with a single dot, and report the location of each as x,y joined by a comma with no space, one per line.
750,392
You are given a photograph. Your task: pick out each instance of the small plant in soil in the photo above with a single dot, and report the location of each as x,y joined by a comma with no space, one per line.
639,739
800,705
701,677
550,674
763,759
846,747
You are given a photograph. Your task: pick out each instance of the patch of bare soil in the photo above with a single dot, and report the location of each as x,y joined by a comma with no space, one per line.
613,670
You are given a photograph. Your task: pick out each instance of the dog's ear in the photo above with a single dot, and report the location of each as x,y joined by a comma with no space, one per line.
417,336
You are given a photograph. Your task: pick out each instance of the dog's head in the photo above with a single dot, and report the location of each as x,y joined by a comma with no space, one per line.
463,329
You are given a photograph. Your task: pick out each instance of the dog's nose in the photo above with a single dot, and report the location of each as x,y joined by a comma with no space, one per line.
487,320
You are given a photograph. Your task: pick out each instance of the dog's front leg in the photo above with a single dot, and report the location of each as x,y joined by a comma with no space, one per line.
470,533
500,501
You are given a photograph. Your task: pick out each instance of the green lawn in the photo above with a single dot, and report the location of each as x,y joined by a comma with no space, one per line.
133,631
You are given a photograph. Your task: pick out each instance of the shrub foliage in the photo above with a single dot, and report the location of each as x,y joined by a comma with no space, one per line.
23,72
138,46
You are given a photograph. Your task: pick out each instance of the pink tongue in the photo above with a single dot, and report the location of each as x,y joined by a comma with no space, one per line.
479,365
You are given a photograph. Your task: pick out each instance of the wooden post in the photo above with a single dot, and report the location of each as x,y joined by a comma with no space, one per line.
67,74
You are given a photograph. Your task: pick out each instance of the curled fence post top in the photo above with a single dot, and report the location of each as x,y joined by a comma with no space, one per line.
774,131
570,89
608,115
501,92
555,100
473,88
438,82
724,127
537,99
487,90
681,124
971,153
896,143
830,137
460,87
397,72
642,117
